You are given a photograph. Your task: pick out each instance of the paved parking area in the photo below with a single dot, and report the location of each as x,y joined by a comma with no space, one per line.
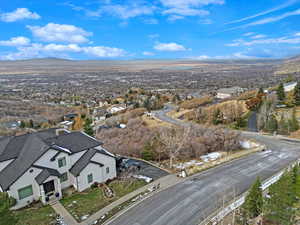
149,170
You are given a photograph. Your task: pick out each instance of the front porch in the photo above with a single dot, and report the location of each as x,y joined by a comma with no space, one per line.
50,190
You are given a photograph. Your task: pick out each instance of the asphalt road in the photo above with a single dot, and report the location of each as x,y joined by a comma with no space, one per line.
252,122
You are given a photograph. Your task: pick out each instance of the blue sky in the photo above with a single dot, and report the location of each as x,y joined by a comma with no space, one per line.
144,29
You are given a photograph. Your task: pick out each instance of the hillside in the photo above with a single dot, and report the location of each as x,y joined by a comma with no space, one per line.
291,65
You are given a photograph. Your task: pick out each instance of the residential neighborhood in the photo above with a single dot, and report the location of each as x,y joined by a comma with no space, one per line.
136,112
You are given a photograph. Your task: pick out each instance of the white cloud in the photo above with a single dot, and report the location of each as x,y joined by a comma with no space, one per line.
16,41
282,6
151,21
169,47
281,40
248,34
128,11
153,36
297,34
61,33
268,20
178,9
19,14
148,53
101,51
201,57
206,21
37,50
258,36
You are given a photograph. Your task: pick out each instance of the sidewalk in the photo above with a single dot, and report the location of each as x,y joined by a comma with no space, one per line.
68,218
164,182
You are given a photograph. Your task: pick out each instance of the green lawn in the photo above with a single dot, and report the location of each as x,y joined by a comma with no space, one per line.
36,215
92,200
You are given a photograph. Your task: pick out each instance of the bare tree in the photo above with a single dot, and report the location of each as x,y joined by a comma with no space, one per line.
173,140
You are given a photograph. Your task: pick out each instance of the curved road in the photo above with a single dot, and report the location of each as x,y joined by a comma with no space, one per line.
193,200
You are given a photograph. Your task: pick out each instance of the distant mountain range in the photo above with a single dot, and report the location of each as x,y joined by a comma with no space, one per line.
290,66
58,65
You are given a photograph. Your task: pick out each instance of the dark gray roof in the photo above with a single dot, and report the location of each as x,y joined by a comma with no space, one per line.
33,148
83,162
27,149
75,141
46,172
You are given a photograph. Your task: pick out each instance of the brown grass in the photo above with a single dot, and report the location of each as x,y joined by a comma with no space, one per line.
196,102
153,122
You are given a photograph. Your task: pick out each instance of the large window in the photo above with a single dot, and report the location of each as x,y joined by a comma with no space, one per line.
90,178
63,177
25,192
62,162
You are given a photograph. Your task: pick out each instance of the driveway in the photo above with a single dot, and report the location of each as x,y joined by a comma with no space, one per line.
149,170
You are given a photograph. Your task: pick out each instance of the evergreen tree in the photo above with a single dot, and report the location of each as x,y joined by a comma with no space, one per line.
254,201
6,215
271,125
22,124
294,124
147,104
279,205
217,117
88,129
297,94
280,93
31,125
260,91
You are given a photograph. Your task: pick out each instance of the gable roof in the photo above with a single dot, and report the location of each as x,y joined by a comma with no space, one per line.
46,172
75,141
82,162
33,148
28,148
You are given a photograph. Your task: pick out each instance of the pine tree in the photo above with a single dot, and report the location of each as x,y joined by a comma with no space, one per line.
279,205
280,92
297,94
22,124
217,117
254,201
88,129
294,124
260,91
271,125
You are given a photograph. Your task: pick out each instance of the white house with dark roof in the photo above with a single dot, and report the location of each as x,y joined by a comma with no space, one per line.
38,166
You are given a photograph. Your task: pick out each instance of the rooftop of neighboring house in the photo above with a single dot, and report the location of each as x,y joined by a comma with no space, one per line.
231,90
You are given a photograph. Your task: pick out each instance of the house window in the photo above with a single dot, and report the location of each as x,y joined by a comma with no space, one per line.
25,192
63,177
107,169
62,162
90,178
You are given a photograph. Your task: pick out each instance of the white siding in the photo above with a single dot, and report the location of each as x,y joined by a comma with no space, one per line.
5,164
94,169
107,162
25,180
45,162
